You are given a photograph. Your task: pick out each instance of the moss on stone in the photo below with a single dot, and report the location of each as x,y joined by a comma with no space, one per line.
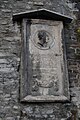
78,34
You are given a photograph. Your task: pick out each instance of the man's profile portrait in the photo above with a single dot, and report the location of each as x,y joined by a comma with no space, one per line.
43,39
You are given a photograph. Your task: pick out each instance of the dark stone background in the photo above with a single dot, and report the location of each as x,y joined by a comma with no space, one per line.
10,50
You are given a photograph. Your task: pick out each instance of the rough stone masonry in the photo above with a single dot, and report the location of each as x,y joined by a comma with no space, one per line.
10,55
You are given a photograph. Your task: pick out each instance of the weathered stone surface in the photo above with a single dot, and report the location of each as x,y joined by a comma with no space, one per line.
10,51
45,71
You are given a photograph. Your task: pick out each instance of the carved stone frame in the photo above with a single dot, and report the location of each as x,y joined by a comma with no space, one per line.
24,82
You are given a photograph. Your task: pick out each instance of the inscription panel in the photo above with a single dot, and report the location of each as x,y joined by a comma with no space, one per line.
45,77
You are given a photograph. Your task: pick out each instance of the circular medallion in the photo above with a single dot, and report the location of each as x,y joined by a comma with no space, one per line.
43,39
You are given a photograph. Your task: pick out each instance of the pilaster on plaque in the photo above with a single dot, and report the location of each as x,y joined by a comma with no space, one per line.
43,61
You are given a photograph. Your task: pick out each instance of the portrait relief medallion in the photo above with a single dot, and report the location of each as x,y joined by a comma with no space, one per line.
43,39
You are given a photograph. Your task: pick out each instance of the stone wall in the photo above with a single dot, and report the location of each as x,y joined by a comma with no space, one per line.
73,54
10,50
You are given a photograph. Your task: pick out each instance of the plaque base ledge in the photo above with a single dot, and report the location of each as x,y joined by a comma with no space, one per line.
47,98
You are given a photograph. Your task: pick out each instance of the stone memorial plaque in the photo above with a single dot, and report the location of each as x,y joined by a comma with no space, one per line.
44,59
